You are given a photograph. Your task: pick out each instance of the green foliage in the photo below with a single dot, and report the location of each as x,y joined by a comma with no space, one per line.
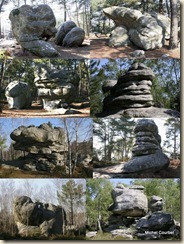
98,199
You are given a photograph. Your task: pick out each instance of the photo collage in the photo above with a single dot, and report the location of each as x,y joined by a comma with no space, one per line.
90,120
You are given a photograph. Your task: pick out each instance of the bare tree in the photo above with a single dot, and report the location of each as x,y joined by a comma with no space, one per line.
174,25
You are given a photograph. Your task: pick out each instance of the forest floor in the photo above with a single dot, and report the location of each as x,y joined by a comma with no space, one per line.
99,49
36,110
12,49
115,171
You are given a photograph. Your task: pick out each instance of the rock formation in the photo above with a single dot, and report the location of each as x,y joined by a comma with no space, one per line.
44,144
146,31
69,35
130,95
147,155
131,217
38,218
56,88
156,224
18,95
32,26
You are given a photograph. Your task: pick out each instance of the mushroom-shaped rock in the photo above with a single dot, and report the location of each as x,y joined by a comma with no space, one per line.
18,95
129,201
32,26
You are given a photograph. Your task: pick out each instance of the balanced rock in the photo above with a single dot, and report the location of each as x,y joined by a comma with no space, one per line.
147,153
56,88
133,90
146,31
31,26
129,201
44,144
69,35
45,219
18,95
155,204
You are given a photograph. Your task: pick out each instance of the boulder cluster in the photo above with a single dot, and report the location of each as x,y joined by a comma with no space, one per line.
134,216
33,218
132,90
33,26
146,31
147,155
45,146
18,95
56,88
69,35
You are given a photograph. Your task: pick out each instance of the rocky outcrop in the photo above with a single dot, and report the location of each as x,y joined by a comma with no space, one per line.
133,90
130,95
32,26
156,224
57,89
44,144
18,95
147,31
119,37
147,155
129,201
69,35
33,218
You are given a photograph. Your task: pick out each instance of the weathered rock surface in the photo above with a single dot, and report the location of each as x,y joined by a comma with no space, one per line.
155,204
133,90
129,201
147,153
147,31
45,146
130,95
18,95
57,89
37,218
31,26
69,35
119,37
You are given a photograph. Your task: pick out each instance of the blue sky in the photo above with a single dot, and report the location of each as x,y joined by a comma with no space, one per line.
7,125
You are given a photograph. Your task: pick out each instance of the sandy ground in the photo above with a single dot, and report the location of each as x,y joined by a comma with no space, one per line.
99,49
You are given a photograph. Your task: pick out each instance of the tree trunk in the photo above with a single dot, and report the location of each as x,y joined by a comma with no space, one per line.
174,25
161,7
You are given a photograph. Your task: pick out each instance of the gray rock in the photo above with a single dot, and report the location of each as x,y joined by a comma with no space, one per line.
108,85
45,219
74,38
129,202
126,233
31,26
164,22
18,95
155,204
147,153
63,31
45,146
119,37
91,234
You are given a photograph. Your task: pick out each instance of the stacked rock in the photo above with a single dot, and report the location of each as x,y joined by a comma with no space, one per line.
32,26
36,217
18,95
45,146
132,90
147,153
147,31
69,35
56,88
156,224
129,203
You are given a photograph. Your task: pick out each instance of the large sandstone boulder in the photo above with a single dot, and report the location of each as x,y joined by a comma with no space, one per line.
147,31
119,37
56,88
31,26
37,218
129,201
18,95
45,146
147,153
69,35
